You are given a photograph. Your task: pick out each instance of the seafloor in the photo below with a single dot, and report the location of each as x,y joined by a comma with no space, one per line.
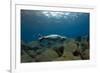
71,49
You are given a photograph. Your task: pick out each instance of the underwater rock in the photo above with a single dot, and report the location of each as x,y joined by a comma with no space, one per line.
27,53
36,48
26,58
70,46
84,45
32,53
53,48
34,44
59,50
72,50
76,53
68,56
24,48
83,52
85,55
47,55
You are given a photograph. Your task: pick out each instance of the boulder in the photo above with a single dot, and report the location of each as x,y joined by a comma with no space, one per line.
47,55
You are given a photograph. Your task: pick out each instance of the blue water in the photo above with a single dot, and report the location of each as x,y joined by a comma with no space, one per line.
37,22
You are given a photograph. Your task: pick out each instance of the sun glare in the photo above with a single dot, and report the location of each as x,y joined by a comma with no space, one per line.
55,14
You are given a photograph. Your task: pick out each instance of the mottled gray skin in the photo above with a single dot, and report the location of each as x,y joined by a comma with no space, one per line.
51,40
